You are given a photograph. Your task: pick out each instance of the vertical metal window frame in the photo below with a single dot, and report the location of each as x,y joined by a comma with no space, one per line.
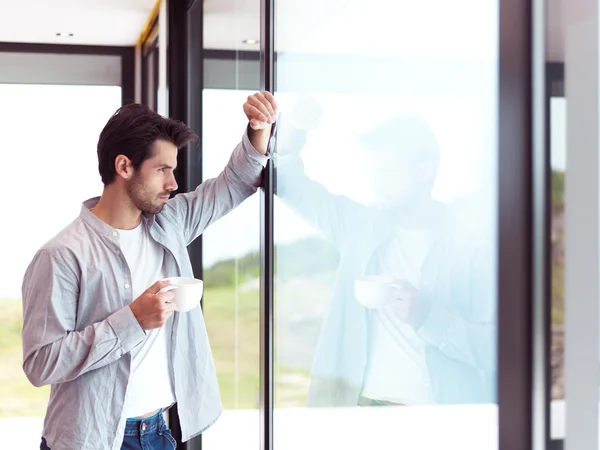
148,42
523,227
267,373
184,84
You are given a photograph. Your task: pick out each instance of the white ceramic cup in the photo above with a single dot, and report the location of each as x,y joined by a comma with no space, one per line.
188,292
373,291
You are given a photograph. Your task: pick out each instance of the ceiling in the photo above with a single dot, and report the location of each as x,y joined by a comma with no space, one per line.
92,22
229,22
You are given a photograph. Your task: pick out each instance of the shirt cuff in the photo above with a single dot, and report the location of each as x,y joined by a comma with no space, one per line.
127,328
251,152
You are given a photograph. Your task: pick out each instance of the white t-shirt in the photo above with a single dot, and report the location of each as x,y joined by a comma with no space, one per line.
397,370
150,385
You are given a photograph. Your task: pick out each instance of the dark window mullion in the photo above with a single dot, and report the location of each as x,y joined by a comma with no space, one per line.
267,75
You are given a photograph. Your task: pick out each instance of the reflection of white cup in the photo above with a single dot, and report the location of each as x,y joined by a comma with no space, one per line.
373,291
188,292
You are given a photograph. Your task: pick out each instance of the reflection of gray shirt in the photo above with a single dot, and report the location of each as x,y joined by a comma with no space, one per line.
78,329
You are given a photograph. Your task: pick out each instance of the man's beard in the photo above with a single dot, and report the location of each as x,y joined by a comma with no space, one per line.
141,199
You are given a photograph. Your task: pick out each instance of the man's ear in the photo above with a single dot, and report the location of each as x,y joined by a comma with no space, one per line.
123,167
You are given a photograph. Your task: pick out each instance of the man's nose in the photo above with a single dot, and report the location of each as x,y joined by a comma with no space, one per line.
172,185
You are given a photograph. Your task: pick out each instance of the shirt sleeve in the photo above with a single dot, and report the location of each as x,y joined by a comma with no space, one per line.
215,197
53,351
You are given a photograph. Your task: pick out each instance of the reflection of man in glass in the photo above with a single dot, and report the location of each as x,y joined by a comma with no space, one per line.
410,320
402,177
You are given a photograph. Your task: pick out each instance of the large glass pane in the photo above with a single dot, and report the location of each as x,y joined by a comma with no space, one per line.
49,142
572,83
385,224
230,247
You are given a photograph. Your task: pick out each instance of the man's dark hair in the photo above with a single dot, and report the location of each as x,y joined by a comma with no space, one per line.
132,131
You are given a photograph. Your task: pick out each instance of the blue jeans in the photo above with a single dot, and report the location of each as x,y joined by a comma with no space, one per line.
150,433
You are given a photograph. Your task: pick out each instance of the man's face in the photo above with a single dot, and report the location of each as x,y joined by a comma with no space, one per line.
151,185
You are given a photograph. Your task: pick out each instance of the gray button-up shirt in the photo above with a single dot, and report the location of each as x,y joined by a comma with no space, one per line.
78,328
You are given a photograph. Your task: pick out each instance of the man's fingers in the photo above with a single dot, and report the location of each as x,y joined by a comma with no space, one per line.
271,100
260,103
166,296
158,286
256,125
263,107
267,99
255,113
170,307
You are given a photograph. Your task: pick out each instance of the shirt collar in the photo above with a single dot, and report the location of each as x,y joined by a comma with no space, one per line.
102,227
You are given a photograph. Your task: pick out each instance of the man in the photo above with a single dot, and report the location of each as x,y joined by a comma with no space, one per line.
433,341
96,325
